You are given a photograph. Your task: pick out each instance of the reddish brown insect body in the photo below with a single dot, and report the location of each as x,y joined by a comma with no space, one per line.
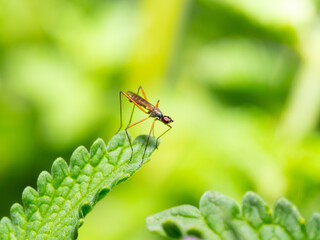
143,105
153,111
141,101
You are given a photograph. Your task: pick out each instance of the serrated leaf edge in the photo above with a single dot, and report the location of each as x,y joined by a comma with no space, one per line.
61,171
314,219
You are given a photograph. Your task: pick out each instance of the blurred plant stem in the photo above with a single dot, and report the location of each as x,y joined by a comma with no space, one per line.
303,106
160,22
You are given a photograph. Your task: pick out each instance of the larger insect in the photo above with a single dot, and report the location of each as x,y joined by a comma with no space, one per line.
146,107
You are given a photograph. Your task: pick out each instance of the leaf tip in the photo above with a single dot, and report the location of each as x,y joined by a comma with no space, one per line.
313,226
30,199
97,152
43,180
59,171
78,160
6,228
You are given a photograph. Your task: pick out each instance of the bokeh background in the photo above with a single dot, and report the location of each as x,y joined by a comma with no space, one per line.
240,78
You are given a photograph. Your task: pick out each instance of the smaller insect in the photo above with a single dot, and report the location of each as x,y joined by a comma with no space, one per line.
146,107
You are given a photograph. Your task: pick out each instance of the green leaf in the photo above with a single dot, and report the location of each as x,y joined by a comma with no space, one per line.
64,197
186,218
219,217
313,227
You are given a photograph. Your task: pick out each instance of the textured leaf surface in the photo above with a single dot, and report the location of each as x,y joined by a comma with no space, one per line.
64,197
220,217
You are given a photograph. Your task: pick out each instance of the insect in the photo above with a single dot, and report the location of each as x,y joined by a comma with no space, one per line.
153,111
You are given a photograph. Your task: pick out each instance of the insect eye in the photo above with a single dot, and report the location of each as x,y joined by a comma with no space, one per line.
167,119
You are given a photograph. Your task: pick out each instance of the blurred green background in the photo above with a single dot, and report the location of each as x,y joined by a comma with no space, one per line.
240,78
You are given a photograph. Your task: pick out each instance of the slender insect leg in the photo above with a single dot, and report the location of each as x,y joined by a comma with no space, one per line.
120,113
163,134
145,96
148,140
137,122
128,134
135,104
133,108
157,104
153,132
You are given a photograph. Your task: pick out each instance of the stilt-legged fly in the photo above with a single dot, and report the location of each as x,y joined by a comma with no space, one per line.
153,111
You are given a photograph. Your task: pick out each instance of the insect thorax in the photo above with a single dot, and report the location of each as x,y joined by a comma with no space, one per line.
155,112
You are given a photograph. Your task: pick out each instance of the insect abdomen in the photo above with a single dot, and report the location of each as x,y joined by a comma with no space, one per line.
141,101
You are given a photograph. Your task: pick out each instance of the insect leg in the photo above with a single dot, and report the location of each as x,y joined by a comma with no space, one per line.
137,122
128,134
134,102
148,140
120,113
121,92
145,96
163,133
157,104
133,108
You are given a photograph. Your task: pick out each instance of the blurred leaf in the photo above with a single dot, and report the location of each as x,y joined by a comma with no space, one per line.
219,217
65,197
216,19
